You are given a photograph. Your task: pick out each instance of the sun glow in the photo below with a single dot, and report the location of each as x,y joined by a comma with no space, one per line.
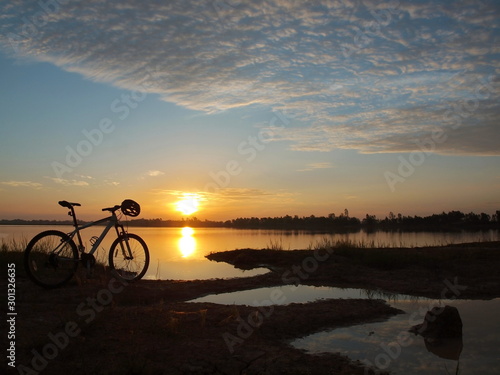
188,204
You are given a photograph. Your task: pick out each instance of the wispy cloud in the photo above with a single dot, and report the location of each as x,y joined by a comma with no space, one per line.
372,76
29,184
155,173
315,166
229,194
67,182
84,177
260,196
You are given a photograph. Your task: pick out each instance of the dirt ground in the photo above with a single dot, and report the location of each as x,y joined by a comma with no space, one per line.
102,326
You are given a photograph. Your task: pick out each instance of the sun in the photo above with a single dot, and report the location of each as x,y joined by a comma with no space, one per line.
188,204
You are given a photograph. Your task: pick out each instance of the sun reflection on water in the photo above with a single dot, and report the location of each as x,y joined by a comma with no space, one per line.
187,243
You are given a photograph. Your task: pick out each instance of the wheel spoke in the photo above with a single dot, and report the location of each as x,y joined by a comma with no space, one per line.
51,258
129,267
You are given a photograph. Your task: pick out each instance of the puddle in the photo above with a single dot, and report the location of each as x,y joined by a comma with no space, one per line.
198,270
283,295
388,346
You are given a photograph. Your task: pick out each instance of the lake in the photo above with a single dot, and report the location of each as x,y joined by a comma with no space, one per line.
179,253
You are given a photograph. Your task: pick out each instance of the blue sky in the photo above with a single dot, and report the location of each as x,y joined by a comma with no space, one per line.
255,108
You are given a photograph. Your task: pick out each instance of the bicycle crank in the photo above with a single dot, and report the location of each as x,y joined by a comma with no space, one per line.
88,260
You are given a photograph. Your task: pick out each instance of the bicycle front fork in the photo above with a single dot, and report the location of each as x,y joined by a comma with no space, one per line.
125,248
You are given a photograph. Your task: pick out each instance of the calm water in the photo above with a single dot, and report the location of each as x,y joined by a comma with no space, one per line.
387,345
179,253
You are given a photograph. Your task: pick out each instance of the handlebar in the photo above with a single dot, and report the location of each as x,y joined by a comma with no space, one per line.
112,209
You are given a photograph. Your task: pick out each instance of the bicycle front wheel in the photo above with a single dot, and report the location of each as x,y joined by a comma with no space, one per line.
51,259
129,257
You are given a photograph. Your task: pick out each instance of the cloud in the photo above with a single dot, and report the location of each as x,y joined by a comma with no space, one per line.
457,127
226,195
259,196
29,184
155,173
65,182
314,166
351,71
236,194
84,177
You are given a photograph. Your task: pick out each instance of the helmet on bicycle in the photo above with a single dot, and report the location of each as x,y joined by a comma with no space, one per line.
130,208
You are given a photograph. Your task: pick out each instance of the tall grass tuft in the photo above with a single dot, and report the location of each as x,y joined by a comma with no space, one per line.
12,251
276,244
328,243
378,255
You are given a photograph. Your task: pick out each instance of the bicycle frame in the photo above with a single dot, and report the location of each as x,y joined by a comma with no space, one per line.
112,221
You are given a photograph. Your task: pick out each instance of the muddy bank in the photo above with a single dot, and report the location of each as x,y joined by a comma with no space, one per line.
455,271
104,327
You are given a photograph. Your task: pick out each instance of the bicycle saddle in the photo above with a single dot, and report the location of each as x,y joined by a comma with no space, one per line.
68,204
130,208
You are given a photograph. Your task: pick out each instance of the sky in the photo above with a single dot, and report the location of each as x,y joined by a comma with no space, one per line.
249,108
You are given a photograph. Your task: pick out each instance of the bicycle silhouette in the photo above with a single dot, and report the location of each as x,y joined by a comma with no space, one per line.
52,257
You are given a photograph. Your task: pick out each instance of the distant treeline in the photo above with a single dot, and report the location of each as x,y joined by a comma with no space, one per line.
189,222
453,220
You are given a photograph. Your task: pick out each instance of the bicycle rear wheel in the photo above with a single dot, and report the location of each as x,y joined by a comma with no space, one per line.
51,259
129,266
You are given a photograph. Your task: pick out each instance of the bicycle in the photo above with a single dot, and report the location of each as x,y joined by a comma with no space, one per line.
51,257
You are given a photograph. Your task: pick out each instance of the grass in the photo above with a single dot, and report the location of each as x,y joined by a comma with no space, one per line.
324,243
364,253
377,256
12,251
328,243
385,256
276,244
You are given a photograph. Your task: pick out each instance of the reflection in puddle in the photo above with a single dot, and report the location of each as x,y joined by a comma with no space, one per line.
283,295
445,348
389,346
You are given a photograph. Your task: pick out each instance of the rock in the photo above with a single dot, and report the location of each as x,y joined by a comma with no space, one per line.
440,322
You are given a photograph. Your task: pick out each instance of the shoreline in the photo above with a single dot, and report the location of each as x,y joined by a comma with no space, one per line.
149,328
419,271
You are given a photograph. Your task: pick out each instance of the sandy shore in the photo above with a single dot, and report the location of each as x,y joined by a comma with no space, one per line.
101,326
